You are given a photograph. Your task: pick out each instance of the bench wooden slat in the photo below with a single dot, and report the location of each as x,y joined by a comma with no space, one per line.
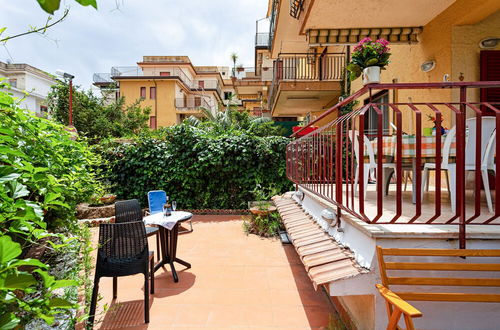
456,297
441,266
440,252
444,281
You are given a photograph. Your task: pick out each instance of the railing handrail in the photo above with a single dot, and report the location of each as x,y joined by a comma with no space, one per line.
384,86
337,159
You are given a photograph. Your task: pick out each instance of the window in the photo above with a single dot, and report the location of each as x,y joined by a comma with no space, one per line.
43,109
371,117
164,74
201,84
152,93
197,101
143,92
228,95
13,82
117,95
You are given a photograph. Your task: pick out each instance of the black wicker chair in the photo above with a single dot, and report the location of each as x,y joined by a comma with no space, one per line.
123,251
130,210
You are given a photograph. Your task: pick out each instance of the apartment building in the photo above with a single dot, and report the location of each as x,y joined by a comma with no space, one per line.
431,41
445,61
29,84
171,85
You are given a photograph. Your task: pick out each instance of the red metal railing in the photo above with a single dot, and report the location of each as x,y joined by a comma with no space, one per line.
335,160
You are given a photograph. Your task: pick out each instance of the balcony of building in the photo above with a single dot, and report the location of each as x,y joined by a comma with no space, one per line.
412,173
305,82
137,72
193,104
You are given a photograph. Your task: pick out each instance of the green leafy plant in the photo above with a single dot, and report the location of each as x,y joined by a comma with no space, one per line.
95,119
50,6
264,225
197,168
43,175
368,53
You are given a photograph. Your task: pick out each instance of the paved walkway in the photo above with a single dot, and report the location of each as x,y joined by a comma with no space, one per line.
237,281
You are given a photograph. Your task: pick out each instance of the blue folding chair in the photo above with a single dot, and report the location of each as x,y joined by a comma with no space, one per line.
156,200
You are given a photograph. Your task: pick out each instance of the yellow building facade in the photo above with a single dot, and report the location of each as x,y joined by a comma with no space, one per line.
450,34
171,86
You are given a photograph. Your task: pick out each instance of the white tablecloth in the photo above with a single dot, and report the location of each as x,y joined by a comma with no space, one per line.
167,222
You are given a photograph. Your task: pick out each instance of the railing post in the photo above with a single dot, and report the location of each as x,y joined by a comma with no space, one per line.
460,190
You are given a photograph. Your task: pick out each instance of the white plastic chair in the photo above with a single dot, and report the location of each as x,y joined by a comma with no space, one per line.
388,168
489,164
488,126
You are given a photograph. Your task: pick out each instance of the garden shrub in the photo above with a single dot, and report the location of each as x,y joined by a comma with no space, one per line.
198,169
43,175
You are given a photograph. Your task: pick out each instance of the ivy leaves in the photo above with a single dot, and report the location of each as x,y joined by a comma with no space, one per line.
198,169
50,6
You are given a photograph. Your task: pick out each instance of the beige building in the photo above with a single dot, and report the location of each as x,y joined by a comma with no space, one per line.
171,85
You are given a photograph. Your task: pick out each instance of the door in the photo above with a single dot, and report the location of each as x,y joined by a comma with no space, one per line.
490,71
371,116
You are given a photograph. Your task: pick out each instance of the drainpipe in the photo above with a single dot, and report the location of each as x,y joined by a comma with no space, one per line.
156,104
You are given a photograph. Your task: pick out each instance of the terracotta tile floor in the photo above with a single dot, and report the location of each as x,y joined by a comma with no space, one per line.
236,281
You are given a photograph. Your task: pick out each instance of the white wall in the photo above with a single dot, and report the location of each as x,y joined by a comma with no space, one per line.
437,315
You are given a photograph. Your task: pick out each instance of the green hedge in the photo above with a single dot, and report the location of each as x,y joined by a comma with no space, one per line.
196,169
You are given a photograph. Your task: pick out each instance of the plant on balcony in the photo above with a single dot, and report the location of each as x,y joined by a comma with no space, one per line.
367,54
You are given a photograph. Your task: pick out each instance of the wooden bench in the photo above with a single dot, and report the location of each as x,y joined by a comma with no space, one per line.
396,302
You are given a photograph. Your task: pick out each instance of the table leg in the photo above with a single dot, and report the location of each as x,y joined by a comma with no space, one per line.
164,249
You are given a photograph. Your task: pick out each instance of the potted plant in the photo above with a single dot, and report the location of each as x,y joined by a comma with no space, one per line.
428,131
368,58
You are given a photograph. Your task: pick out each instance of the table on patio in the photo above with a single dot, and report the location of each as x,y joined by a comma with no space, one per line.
169,232
409,152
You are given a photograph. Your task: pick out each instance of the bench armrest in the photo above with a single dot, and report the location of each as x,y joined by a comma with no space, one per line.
398,302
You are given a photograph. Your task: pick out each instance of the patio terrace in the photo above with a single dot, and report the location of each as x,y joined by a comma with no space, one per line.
235,281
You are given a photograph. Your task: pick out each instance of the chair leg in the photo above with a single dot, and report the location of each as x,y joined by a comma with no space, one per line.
425,175
93,303
356,177
366,179
146,296
115,287
453,188
158,246
388,172
152,274
487,191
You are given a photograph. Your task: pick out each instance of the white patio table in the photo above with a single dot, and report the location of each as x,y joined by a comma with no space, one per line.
169,232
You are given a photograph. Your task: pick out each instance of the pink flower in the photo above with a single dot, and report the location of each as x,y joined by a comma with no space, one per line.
383,42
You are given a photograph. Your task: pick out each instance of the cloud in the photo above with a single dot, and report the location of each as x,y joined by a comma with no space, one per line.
122,31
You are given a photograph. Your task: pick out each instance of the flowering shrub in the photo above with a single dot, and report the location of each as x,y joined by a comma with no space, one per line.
368,53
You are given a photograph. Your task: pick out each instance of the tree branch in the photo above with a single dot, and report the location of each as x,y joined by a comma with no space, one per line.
41,30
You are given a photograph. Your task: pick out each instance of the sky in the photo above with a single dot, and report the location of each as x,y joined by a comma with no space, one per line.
120,32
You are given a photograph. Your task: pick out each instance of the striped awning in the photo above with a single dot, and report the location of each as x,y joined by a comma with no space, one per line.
324,260
352,36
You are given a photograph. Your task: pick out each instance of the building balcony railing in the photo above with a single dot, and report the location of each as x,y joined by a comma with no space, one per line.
262,40
192,103
102,78
136,71
205,85
337,161
306,67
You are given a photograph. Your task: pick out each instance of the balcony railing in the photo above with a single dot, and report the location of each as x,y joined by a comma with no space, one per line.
262,39
102,78
306,67
335,161
136,71
192,103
